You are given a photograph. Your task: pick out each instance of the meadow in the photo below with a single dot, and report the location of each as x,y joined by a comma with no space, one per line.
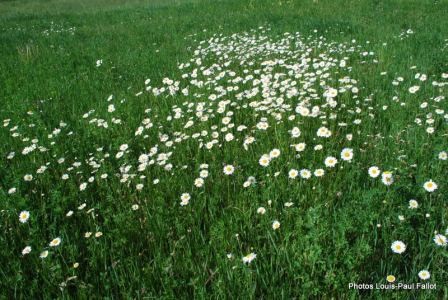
238,149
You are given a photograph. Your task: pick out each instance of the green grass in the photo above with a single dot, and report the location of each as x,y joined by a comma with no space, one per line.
328,239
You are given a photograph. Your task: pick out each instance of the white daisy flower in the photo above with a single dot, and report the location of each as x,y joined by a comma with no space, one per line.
274,153
424,275
43,254
440,240
430,186
347,154
374,172
305,173
24,216
261,210
264,160
185,199
28,177
199,182
292,174
390,278
229,169
300,147
331,161
413,204
249,258
387,178
319,173
26,250
398,247
55,242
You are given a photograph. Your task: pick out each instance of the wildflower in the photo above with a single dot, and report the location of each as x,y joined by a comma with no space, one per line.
300,147
261,210
374,172
274,153
229,169
443,155
262,125
264,161
82,186
26,250
331,93
319,173
305,173
323,132
43,254
199,182
430,186
424,274
55,242
24,216
229,137
387,178
295,132
413,204
276,225
390,278
398,247
249,258
440,240
330,161
347,154
203,174
414,89
185,199
292,174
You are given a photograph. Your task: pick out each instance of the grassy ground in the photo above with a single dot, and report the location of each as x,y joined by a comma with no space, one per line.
327,239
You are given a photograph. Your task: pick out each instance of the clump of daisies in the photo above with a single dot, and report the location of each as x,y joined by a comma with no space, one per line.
185,199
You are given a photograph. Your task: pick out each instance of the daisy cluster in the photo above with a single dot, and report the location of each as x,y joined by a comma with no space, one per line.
58,29
249,112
